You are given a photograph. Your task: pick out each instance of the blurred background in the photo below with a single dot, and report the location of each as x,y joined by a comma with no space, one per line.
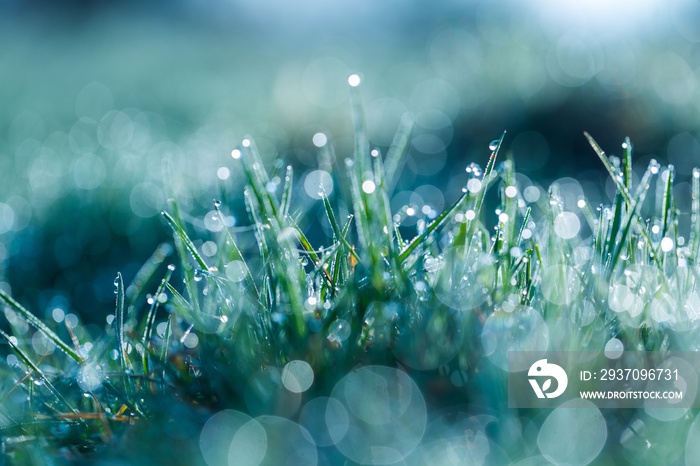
96,95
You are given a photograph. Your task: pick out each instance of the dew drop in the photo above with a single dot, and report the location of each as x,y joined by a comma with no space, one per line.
654,166
319,139
474,169
493,145
368,186
667,244
354,80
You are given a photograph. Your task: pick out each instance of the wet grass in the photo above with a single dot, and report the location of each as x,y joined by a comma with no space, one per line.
581,275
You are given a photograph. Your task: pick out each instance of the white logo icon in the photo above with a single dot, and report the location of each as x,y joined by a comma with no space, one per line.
542,368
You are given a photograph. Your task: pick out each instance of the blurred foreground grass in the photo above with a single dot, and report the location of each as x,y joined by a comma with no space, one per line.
368,347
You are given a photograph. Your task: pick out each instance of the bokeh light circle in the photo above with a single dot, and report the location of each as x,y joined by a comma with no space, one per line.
287,443
523,329
217,435
325,419
573,434
386,415
297,376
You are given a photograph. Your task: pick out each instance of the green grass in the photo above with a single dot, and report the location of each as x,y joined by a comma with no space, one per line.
219,332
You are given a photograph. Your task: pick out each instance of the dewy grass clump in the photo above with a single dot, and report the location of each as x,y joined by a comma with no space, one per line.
370,348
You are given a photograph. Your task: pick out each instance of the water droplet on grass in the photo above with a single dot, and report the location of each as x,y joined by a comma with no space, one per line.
368,186
667,244
319,140
354,80
493,145
654,166
474,169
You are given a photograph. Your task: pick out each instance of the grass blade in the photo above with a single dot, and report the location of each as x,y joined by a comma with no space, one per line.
180,232
361,152
396,156
25,359
383,207
119,320
336,228
32,320
439,221
526,219
235,252
287,193
258,179
147,271
695,215
668,201
151,318
486,179
627,164
306,245
625,193
358,206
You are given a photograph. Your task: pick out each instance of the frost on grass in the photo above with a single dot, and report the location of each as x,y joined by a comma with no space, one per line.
386,343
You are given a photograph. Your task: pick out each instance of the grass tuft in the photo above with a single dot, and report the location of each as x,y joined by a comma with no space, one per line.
221,332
